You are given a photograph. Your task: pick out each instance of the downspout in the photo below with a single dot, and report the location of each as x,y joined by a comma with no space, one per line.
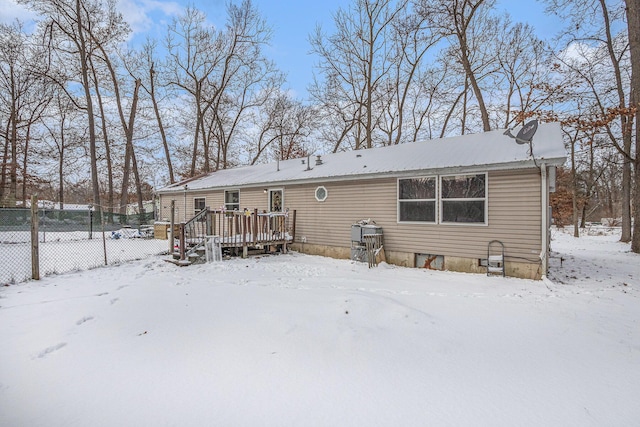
544,253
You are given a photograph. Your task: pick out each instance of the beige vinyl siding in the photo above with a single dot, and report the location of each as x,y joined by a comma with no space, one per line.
254,198
513,217
250,198
213,200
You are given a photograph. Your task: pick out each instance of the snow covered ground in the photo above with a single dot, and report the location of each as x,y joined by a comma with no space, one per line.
295,340
63,252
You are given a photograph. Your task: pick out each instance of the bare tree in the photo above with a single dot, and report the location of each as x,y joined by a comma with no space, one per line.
412,39
604,52
523,61
25,96
222,71
356,62
63,140
466,23
285,125
72,27
147,63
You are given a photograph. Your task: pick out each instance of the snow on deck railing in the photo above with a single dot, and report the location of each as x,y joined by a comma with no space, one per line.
238,229
241,228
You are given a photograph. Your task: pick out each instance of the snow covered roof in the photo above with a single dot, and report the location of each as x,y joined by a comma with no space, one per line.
486,151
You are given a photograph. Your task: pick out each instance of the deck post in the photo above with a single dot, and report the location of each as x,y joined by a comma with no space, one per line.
255,226
243,229
293,227
172,224
182,242
209,222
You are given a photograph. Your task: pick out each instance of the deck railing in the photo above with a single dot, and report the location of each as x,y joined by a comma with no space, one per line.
238,229
252,227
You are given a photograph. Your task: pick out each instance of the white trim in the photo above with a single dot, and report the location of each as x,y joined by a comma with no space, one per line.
435,200
269,195
195,210
326,193
485,199
224,197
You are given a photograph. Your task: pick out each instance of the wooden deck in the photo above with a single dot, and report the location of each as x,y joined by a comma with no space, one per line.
239,231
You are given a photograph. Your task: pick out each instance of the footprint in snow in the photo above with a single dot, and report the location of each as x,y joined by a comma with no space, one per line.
51,349
114,300
84,320
102,294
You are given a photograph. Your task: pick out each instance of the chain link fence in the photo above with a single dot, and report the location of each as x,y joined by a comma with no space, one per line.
71,240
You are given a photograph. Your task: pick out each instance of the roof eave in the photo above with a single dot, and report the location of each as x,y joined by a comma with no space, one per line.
521,164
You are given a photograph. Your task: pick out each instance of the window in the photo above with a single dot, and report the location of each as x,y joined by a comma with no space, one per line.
199,203
463,199
417,200
321,194
232,200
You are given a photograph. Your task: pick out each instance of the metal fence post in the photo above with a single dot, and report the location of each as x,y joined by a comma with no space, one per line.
90,223
104,240
35,253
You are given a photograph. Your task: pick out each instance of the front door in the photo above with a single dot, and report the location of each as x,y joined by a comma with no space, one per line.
275,200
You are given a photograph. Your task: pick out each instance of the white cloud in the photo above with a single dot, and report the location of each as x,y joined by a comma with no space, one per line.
10,11
143,15
579,52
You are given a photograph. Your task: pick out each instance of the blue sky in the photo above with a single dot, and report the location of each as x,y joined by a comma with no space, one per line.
292,22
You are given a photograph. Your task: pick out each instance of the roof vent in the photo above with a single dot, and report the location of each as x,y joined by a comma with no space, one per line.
318,160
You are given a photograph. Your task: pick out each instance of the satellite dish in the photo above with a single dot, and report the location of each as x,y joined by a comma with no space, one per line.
526,133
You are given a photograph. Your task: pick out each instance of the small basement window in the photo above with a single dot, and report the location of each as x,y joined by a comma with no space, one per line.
321,193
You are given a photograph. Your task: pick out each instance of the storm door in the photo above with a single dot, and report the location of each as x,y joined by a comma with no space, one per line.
275,200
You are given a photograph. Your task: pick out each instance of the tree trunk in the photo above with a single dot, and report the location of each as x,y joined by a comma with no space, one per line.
574,192
476,88
129,154
626,124
107,147
633,22
13,144
95,184
134,162
25,165
61,169
5,159
156,110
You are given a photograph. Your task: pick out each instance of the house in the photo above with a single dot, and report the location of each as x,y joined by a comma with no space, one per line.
441,200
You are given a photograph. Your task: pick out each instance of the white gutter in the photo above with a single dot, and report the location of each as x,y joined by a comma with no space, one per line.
544,253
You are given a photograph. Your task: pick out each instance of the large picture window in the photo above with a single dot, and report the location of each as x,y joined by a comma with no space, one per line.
417,200
463,199
232,200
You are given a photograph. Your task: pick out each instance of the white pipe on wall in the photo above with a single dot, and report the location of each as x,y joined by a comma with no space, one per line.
544,253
